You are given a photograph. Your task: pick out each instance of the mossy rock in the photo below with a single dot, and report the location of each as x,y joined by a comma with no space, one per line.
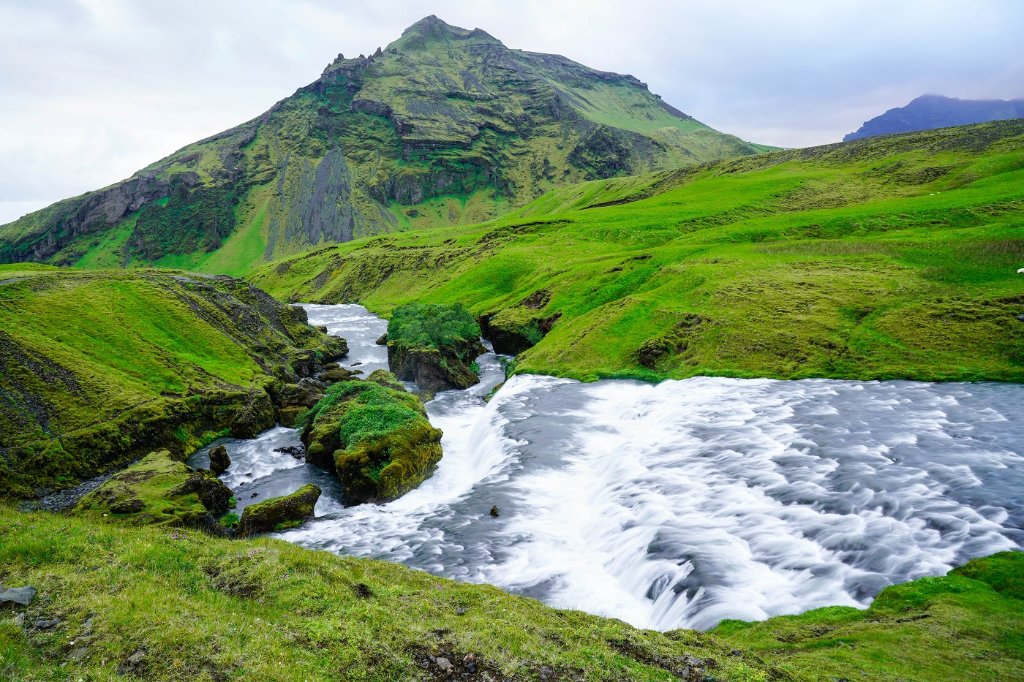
434,346
386,379
219,460
376,437
385,468
279,513
514,330
158,490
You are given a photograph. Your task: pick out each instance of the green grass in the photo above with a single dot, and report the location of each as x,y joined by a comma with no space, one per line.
879,259
99,364
209,609
928,629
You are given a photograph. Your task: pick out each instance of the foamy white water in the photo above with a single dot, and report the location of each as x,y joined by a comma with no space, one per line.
684,503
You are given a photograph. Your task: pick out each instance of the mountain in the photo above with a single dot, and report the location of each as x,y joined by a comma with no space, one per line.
935,111
445,126
891,257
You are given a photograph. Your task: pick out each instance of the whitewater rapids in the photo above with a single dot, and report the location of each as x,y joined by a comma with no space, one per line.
684,503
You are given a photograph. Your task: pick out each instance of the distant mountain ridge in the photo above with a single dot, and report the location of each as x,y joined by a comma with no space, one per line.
444,126
936,111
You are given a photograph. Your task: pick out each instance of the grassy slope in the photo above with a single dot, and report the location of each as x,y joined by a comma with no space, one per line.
208,609
892,257
81,350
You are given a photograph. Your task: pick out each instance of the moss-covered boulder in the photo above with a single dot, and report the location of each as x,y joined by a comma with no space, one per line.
219,460
158,490
434,346
375,436
279,513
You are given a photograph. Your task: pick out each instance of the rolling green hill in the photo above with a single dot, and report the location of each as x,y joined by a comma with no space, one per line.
881,258
444,126
99,368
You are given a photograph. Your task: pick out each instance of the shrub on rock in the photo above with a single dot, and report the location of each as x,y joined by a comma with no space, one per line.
434,346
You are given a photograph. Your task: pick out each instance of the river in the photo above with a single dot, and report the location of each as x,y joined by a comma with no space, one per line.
683,503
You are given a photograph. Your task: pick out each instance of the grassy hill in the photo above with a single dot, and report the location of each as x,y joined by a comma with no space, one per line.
98,368
444,126
892,257
162,604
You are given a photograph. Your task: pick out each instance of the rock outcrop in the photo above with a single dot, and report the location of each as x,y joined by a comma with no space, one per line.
279,513
434,346
158,490
219,460
375,436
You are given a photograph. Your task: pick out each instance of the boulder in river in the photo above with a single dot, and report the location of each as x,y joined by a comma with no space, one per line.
280,513
435,346
219,460
376,437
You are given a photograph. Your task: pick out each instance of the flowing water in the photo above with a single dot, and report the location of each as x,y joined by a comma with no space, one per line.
683,503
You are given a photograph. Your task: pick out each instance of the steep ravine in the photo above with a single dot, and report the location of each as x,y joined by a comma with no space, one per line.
683,503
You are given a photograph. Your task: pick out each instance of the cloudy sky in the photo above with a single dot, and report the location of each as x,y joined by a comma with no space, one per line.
92,90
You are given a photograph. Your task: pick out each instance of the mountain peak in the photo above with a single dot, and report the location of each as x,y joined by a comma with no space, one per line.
433,28
931,111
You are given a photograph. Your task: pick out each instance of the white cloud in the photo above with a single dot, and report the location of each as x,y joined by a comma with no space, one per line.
96,89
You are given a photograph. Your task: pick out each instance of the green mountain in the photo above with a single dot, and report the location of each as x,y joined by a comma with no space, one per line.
445,126
890,257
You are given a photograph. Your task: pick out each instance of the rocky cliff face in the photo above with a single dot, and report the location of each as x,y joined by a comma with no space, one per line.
934,111
445,125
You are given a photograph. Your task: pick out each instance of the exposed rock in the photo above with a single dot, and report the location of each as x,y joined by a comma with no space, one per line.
254,417
514,330
495,512
384,378
46,623
336,374
294,399
382,340
17,595
434,369
213,494
296,451
279,513
219,460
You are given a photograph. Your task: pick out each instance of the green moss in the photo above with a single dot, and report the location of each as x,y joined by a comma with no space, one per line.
100,368
376,437
432,325
157,490
279,513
